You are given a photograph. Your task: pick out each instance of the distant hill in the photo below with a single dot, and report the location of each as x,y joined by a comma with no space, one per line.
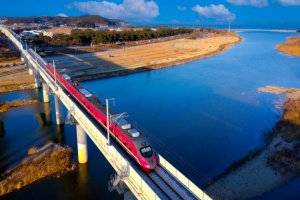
82,21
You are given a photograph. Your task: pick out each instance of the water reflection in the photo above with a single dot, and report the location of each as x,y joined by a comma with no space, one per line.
83,180
2,130
44,118
60,134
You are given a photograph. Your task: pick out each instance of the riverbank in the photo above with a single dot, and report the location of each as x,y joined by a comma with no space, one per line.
269,167
51,159
141,58
289,125
291,47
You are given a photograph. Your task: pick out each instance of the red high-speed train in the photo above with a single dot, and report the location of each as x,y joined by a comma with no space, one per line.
127,136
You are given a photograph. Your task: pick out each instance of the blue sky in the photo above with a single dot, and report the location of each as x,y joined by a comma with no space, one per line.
162,11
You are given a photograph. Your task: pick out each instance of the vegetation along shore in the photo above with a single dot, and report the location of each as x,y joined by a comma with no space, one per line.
291,47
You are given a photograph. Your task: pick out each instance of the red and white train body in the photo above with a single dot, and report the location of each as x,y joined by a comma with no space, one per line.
130,139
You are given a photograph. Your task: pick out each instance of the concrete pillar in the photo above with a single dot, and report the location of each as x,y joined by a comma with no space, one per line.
30,70
22,56
46,92
58,110
81,145
37,79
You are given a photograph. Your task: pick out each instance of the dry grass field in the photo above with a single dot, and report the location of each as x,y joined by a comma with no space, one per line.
291,47
60,30
150,56
15,78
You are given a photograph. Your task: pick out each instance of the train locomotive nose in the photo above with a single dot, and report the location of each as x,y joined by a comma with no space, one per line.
152,165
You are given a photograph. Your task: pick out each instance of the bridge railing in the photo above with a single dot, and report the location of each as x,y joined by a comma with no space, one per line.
183,179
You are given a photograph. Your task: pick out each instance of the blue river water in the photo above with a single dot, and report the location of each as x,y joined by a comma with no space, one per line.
207,113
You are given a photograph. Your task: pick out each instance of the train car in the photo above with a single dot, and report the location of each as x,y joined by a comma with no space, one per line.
123,132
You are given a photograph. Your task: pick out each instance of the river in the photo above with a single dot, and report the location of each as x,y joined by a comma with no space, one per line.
207,112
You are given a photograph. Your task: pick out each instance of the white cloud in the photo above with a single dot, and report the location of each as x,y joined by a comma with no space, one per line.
255,3
181,8
62,15
289,2
218,12
129,9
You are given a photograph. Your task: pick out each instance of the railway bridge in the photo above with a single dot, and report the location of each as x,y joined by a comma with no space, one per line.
166,182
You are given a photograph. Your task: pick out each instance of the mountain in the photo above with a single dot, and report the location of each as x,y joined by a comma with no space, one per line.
85,20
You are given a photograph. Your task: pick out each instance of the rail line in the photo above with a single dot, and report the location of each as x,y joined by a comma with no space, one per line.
164,186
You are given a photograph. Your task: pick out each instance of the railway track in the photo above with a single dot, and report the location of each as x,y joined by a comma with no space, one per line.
164,186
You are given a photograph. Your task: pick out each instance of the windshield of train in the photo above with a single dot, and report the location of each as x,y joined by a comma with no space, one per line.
146,152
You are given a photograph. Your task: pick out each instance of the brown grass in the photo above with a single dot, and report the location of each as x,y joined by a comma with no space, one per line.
144,57
291,47
10,57
42,162
60,30
4,107
289,124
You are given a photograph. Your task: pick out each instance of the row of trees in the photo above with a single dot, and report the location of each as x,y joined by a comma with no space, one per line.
88,36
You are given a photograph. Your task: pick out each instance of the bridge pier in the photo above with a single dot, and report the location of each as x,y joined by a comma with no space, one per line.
29,66
46,92
81,145
58,110
22,56
37,79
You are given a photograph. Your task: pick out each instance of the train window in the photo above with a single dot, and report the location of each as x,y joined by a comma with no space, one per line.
129,147
146,152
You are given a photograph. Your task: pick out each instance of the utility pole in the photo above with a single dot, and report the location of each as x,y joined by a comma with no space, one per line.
107,120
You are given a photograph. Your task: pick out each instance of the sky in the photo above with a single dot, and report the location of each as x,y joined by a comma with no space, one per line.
162,11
